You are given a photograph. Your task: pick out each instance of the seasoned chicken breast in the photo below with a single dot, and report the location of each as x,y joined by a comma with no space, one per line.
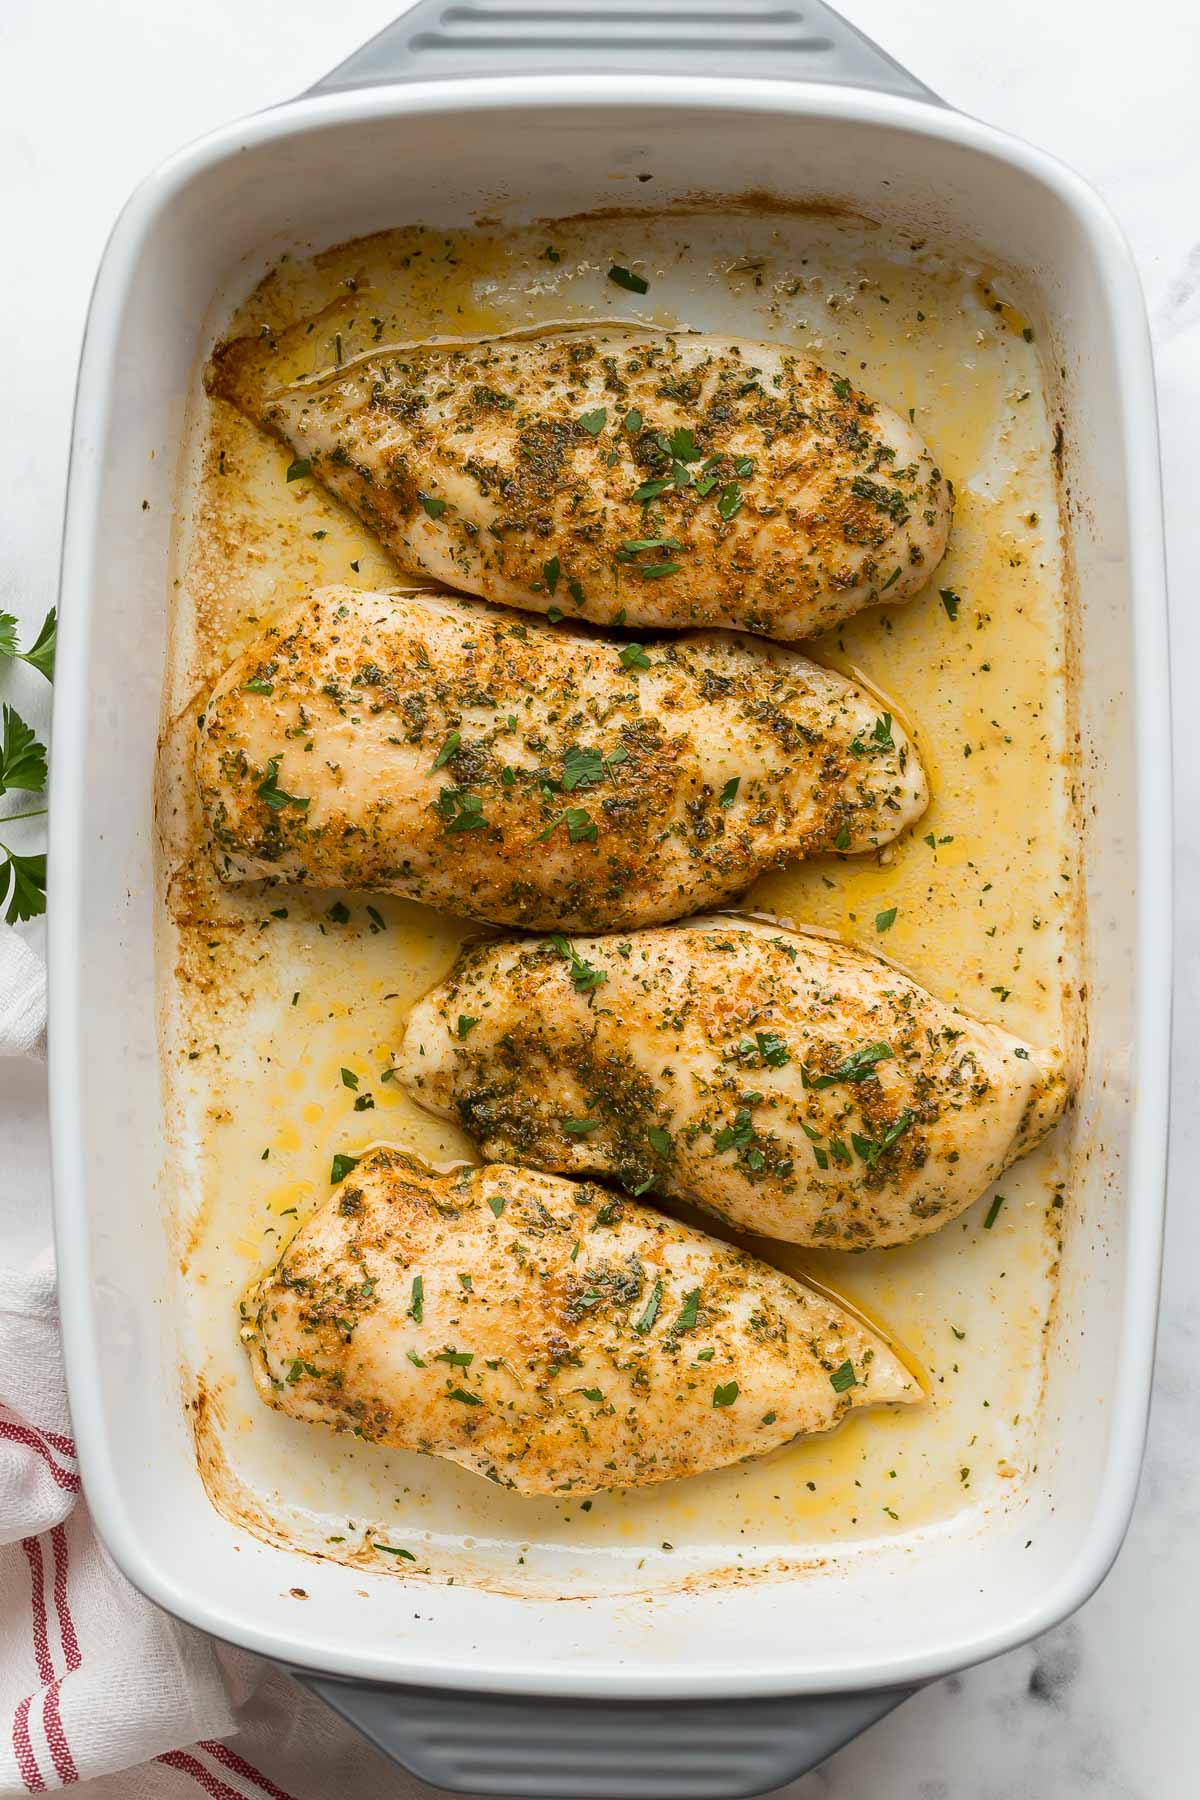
554,1337
794,1086
517,772
621,475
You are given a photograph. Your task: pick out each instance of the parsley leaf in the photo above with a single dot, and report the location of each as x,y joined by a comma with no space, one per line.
726,1394
951,601
298,469
341,1166
581,768
448,749
885,920
41,656
273,795
434,508
857,1066
595,421
844,1378
625,278
632,656
22,758
584,976
23,880
729,791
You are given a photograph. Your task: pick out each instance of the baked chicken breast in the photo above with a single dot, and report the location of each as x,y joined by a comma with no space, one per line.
552,1336
793,1086
528,774
623,475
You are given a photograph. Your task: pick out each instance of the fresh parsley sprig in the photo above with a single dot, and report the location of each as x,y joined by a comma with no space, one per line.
23,769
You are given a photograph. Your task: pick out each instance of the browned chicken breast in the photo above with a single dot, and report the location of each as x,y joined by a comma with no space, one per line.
795,1087
528,774
554,1337
620,475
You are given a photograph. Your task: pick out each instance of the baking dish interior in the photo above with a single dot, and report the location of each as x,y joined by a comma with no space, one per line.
327,170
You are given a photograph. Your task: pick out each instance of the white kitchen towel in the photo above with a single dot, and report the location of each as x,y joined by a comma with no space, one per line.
97,1686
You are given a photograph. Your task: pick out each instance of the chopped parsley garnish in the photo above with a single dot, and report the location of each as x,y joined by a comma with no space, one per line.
595,421
258,686
465,1024
580,1127
551,571
632,656
725,1394
993,1212
458,1393
460,810
582,767
392,1550
857,1067
689,1311
656,571
298,469
872,1149
659,1139
841,387
497,1202
416,1304
650,490
434,508
645,1323
843,1379
951,601
575,589
625,278
269,790
738,1135
768,1046
584,976
729,500
449,748
842,840
341,1166
349,1078
729,792
633,420
885,920
460,1359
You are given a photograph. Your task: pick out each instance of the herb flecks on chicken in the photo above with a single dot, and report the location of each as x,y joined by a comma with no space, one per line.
525,774
622,475
794,1086
595,1344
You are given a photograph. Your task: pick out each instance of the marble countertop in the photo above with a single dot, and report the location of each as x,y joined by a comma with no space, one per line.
92,96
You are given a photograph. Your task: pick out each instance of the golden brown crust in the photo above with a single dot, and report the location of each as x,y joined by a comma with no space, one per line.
550,1335
796,1087
618,474
534,775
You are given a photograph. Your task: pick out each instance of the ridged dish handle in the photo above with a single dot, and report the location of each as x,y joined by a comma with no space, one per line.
547,1749
440,39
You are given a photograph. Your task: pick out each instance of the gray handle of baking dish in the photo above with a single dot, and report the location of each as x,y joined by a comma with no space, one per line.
440,39
548,1749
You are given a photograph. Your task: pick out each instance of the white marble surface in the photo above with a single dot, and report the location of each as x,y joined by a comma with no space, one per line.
92,95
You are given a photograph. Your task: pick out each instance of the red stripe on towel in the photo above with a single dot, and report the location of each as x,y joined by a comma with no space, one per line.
37,1601
31,1775
215,1788
56,1737
24,1434
62,1606
223,1754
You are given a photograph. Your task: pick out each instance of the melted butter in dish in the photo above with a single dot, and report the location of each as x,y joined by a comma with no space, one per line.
284,1009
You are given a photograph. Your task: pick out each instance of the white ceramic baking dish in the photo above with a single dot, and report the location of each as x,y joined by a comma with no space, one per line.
708,1689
